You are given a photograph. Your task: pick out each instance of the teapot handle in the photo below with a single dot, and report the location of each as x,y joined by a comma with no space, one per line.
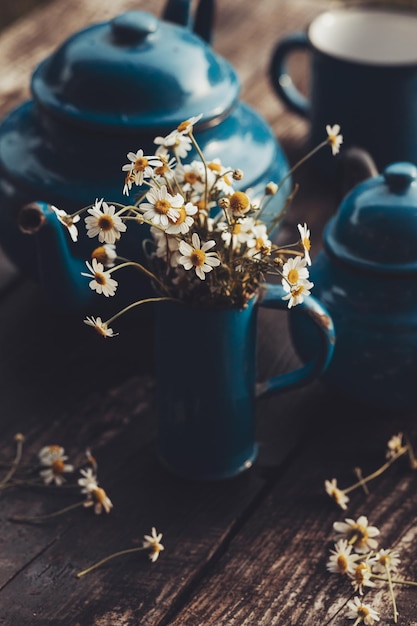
271,298
179,12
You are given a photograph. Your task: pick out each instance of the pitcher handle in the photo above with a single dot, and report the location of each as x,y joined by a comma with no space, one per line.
271,298
280,77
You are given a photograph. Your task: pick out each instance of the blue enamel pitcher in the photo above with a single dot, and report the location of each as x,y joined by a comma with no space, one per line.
366,277
109,89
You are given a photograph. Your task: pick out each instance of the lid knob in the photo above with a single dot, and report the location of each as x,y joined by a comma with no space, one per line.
133,27
399,176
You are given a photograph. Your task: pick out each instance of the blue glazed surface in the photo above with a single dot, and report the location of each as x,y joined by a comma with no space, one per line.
366,277
105,92
206,383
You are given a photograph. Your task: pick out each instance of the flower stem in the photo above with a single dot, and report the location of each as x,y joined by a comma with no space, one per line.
377,472
139,302
391,591
396,581
41,518
106,559
18,457
359,475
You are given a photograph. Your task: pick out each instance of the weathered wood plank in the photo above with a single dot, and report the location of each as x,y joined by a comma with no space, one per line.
282,578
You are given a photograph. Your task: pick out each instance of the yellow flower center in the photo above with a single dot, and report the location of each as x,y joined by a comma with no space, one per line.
214,167
384,559
191,178
360,573
358,535
342,563
260,242
100,278
363,611
140,164
198,257
155,547
99,494
306,243
295,292
182,215
237,228
54,449
161,170
183,126
100,254
105,222
58,467
101,331
293,276
239,202
162,206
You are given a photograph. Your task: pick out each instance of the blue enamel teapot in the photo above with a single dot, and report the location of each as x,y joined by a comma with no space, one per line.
107,90
366,277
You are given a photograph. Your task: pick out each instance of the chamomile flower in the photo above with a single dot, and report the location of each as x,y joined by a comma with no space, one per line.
191,177
184,221
342,561
68,221
153,543
334,138
140,166
362,577
180,143
294,271
335,493
105,254
358,534
129,180
296,293
186,127
162,207
95,495
100,326
362,613
102,281
305,241
53,459
241,232
104,222
239,204
197,256
394,445
383,560
258,243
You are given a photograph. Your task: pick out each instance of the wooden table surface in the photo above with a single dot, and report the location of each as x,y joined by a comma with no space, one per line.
250,551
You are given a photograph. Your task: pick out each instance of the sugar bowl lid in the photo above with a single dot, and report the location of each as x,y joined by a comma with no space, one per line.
135,72
375,227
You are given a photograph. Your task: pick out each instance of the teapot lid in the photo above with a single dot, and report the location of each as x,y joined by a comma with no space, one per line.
375,227
135,72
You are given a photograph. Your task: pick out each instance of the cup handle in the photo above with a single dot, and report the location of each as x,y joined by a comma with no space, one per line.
271,298
281,79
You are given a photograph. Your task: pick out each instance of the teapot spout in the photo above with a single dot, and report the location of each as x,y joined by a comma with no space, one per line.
58,270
